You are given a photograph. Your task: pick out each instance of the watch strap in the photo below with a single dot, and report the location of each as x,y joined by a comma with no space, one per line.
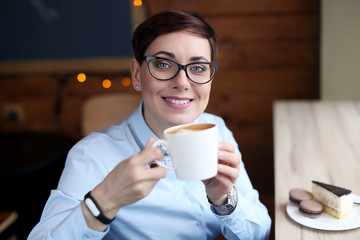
229,206
95,210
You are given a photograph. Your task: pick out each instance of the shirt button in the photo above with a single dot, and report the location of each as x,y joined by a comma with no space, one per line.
85,236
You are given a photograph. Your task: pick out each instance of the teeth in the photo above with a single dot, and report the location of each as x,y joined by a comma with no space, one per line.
177,101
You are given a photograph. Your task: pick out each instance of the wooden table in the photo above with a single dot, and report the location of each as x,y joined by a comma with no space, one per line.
320,141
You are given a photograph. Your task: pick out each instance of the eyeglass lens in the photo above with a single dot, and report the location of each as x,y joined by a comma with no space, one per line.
164,69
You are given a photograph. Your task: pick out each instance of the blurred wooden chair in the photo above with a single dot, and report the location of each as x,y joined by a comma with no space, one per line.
7,220
101,111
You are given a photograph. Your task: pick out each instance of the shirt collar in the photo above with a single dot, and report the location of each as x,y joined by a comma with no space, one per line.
139,128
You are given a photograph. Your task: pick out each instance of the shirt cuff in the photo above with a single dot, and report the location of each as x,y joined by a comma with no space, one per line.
75,225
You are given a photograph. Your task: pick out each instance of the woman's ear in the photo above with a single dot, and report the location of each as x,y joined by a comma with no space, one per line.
135,74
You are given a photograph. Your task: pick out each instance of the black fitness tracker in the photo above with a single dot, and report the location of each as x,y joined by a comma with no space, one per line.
95,210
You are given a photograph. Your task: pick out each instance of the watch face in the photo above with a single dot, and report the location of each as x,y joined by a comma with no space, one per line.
233,197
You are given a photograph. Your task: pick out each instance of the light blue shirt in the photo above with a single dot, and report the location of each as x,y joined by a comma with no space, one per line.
175,209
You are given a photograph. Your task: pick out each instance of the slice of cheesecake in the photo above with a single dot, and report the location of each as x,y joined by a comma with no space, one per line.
337,201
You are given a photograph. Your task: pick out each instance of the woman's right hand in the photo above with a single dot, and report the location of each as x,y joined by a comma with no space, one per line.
130,181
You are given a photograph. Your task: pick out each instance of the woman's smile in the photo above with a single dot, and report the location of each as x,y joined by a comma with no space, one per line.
177,102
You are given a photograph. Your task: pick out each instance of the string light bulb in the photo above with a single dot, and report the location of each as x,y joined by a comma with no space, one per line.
106,83
81,77
126,81
137,3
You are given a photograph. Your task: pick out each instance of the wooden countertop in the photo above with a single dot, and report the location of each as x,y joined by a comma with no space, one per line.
314,140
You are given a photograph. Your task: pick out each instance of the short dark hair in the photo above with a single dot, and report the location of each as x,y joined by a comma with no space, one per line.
169,21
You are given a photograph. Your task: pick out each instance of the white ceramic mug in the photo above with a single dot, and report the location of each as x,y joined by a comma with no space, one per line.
193,150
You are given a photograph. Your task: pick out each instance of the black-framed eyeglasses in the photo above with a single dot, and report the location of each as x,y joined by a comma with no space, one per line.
165,69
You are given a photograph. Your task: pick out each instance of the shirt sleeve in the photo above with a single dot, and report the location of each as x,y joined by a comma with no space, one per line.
63,221
250,219
62,217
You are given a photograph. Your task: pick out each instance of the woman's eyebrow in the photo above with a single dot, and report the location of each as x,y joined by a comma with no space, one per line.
198,58
169,54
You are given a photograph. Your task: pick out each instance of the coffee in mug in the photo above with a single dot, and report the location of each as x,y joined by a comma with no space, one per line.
193,150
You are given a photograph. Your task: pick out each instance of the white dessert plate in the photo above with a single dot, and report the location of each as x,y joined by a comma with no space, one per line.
325,221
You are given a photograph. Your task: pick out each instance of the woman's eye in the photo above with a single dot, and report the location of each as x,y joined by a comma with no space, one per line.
162,65
198,69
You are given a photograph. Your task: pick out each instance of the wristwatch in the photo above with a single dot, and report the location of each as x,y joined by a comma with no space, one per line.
229,206
95,210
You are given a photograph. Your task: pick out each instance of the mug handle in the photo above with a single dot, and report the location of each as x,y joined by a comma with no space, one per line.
158,143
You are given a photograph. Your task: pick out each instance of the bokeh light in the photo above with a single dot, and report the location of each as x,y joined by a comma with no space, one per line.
81,77
137,3
126,81
106,83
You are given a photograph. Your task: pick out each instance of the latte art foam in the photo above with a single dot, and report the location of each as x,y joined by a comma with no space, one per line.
190,128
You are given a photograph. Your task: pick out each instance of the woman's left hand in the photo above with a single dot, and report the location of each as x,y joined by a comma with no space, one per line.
219,186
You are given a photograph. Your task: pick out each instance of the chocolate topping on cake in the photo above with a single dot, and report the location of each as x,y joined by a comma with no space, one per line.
338,191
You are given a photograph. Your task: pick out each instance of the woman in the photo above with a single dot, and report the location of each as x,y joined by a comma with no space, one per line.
124,197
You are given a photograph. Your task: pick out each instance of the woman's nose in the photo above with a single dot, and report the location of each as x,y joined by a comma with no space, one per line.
181,81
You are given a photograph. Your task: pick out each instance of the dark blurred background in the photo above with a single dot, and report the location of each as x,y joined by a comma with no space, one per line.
269,50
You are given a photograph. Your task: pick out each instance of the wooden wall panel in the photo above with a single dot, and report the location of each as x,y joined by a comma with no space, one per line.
266,82
269,28
293,55
49,106
14,87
